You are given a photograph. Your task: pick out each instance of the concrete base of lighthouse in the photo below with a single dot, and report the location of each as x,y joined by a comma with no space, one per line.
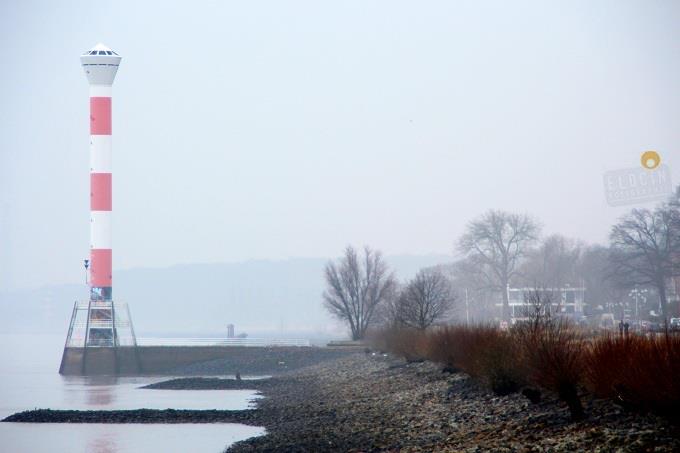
100,361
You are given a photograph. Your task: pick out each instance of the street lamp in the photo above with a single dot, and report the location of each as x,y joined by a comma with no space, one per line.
467,309
638,294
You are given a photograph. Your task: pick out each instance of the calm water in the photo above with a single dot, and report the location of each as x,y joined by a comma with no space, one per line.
29,379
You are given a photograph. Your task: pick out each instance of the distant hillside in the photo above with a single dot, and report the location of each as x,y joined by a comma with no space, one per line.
259,297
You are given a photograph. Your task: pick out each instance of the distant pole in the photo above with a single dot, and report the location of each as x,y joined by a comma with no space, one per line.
467,309
638,294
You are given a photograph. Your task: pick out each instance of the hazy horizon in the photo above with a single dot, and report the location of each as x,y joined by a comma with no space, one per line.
282,297
439,258
267,131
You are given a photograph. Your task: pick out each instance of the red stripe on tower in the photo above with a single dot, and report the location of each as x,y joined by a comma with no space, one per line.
100,268
100,192
100,115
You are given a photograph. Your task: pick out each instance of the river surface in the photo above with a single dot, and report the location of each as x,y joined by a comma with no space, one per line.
29,379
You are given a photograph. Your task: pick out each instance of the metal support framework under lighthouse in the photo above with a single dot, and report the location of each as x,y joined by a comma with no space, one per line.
105,323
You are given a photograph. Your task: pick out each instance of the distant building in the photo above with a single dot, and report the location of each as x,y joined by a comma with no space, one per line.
566,301
230,331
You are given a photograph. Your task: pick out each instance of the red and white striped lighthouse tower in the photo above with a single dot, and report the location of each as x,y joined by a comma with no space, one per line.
100,328
100,65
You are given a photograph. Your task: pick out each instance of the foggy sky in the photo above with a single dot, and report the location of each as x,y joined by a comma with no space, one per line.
252,130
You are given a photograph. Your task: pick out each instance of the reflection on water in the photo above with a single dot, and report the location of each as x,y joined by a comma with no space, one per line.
104,442
125,393
29,379
103,438
100,394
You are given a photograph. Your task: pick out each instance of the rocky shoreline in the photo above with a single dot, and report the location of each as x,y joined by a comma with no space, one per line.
372,402
168,416
379,403
212,383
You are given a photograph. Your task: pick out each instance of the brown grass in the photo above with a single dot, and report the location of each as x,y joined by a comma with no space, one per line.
551,351
483,352
411,344
640,373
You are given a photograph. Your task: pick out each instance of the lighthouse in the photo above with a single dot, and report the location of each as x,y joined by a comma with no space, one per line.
99,326
100,65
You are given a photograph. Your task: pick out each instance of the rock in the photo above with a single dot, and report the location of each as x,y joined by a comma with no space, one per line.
450,369
532,394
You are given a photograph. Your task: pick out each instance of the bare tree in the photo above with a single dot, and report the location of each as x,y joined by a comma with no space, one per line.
645,247
496,242
427,298
538,305
356,287
387,313
551,349
594,270
472,283
554,262
674,199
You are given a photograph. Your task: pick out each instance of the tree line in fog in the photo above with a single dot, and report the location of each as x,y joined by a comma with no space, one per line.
501,249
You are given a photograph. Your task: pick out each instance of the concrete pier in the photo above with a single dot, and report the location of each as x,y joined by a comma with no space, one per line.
169,360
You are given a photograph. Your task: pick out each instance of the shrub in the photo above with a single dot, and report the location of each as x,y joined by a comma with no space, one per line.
402,341
637,372
483,352
551,351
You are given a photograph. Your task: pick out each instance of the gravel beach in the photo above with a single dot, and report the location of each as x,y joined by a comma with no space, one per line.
377,403
372,402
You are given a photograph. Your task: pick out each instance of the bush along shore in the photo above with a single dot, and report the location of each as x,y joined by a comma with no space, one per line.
381,402
638,373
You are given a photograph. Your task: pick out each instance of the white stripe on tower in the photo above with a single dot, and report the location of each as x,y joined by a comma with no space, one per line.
100,154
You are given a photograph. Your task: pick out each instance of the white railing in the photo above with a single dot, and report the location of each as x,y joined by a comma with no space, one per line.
221,342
